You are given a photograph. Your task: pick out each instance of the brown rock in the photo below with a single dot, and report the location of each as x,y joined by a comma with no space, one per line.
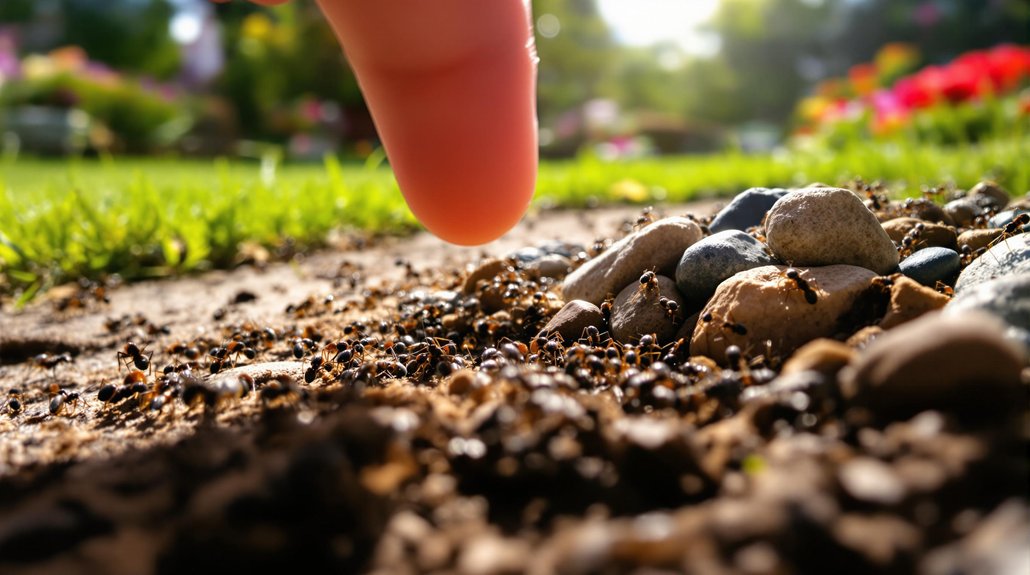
937,235
825,356
770,307
960,363
910,300
989,195
636,311
658,247
484,272
977,239
572,319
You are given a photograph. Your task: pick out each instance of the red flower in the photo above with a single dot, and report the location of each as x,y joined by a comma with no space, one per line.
1007,65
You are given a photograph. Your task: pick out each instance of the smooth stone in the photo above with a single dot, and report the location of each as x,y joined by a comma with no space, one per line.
962,211
909,300
484,272
1008,257
977,239
636,311
746,209
930,265
827,226
989,196
771,307
929,211
825,356
574,317
1002,219
657,247
551,266
933,235
712,260
1007,298
957,363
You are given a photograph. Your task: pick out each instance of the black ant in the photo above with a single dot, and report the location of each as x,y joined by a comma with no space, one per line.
1011,229
133,354
737,328
794,275
62,398
911,240
649,280
14,405
48,361
670,306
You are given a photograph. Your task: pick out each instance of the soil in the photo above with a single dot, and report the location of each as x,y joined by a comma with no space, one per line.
384,466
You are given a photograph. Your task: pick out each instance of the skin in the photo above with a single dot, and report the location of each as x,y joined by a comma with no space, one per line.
451,87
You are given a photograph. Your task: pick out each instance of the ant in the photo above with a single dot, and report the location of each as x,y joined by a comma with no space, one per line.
48,361
649,280
60,399
911,240
133,354
737,328
794,275
944,288
670,306
1012,228
14,405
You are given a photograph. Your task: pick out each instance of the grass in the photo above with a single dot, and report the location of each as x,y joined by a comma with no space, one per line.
61,220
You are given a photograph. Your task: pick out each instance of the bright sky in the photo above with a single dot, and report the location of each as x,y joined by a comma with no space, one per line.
643,22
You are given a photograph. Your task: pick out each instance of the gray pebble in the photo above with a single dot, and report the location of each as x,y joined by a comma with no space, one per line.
551,266
930,265
746,209
1008,257
827,226
710,261
1007,298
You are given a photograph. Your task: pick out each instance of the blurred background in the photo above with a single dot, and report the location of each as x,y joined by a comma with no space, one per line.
618,78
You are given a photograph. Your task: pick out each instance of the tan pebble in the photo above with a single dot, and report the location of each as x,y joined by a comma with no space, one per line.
977,239
933,235
910,300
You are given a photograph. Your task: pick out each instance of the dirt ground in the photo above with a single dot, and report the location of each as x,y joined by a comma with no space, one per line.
492,473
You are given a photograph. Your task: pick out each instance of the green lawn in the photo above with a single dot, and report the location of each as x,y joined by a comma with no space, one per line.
60,220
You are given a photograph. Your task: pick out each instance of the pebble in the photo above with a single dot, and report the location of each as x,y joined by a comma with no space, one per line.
909,300
989,196
871,480
636,312
962,211
746,209
657,247
977,239
825,226
1007,298
959,363
930,265
553,266
933,235
1008,257
572,319
824,356
712,260
770,307
926,210
486,272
